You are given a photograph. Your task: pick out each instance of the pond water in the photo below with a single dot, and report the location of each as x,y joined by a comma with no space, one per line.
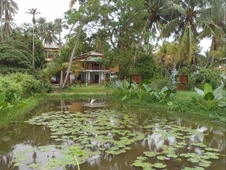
107,136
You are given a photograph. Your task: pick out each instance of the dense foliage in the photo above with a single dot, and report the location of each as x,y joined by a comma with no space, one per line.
146,67
15,57
21,84
211,76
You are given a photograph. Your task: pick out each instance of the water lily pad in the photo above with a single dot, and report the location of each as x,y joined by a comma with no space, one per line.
159,165
34,165
161,158
205,164
193,160
150,154
171,155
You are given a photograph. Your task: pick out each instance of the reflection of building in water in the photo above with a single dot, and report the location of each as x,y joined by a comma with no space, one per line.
82,106
76,106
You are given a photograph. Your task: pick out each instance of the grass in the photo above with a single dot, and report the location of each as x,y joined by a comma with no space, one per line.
83,89
186,95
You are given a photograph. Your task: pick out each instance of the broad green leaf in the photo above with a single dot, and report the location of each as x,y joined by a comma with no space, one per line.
208,92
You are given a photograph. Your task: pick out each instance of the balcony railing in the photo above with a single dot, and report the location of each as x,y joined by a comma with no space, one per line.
96,68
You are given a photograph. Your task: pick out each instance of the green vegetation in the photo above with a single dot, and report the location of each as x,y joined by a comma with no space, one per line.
130,42
14,115
19,84
86,89
25,73
166,98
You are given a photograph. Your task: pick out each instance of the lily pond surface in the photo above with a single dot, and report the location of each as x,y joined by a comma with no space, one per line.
70,134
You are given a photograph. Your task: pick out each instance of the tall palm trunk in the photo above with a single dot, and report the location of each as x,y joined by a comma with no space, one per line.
33,48
1,20
72,55
67,38
61,78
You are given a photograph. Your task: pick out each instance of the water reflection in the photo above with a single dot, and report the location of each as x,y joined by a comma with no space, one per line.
23,136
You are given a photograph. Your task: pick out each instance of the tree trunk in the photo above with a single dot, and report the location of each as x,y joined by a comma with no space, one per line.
72,55
67,38
33,48
61,78
1,21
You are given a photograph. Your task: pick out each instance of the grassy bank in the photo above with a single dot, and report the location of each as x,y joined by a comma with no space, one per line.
17,113
181,103
89,89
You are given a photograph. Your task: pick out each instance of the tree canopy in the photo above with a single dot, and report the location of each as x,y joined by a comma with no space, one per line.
15,57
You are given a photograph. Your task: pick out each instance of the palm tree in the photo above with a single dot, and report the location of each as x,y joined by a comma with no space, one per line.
188,20
61,64
8,8
216,15
41,24
158,15
8,26
33,12
166,55
49,33
72,2
60,24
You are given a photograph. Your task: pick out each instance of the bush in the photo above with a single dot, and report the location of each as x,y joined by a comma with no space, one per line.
28,83
9,87
160,81
23,85
210,76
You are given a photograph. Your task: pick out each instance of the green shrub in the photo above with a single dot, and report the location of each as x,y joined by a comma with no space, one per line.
23,85
160,82
210,76
28,83
9,87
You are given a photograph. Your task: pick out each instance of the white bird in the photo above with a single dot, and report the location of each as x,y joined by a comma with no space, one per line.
92,100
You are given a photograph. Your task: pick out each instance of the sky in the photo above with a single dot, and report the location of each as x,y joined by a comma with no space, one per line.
49,9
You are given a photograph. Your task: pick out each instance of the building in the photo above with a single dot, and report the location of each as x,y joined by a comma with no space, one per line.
94,72
51,51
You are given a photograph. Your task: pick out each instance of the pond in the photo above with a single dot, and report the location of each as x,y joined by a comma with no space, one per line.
70,134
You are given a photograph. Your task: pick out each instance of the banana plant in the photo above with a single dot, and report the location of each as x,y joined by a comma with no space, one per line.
209,95
163,95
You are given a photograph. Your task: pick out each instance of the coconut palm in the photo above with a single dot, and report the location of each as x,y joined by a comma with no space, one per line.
8,8
166,55
60,64
216,15
188,20
49,33
8,26
158,15
33,12
72,2
60,24
41,24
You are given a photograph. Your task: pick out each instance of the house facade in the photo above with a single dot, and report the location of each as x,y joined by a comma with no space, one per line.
51,51
94,72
